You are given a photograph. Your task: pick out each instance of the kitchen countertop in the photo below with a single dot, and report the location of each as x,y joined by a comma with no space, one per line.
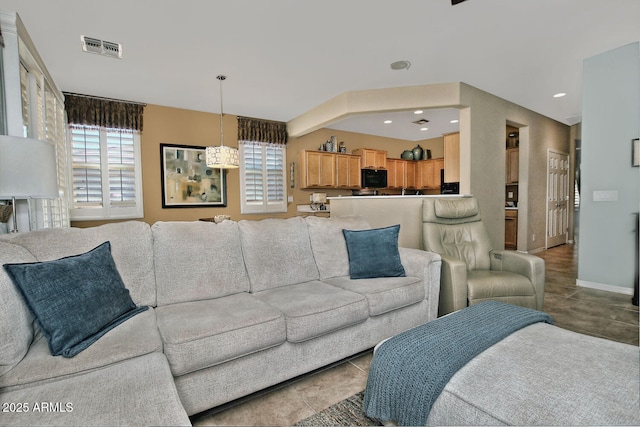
408,196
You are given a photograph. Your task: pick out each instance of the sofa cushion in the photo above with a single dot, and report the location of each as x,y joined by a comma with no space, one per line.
384,294
76,299
205,333
131,248
197,260
374,253
15,318
277,252
328,244
135,337
314,308
136,392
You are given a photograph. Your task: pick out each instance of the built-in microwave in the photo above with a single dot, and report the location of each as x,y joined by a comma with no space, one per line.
374,178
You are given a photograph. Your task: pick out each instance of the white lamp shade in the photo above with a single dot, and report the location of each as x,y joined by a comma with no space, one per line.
27,169
222,157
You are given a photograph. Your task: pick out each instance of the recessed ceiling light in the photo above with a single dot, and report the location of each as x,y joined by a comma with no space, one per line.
388,121
559,95
424,128
400,65
418,112
454,121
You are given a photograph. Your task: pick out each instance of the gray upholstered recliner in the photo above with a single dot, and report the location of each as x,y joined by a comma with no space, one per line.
472,271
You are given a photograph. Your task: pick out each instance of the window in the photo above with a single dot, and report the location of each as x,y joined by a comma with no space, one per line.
262,177
106,173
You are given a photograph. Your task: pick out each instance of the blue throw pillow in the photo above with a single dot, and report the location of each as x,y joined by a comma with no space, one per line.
374,253
76,299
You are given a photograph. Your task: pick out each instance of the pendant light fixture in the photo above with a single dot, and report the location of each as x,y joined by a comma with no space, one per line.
222,157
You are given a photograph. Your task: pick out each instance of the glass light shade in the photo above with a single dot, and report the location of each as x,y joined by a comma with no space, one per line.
222,157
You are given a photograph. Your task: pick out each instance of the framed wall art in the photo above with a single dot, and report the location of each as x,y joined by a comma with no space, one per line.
635,152
187,182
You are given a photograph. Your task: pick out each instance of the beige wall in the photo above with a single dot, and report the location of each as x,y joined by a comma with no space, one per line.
482,142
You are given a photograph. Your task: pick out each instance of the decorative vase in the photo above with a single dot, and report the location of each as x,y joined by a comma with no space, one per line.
426,155
407,155
417,152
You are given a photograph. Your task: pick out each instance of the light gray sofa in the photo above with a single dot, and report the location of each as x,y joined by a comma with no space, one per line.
235,307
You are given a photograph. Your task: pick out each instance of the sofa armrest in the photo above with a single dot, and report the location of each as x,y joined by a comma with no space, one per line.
453,285
528,265
426,265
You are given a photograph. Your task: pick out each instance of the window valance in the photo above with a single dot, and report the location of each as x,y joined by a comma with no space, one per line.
261,130
103,112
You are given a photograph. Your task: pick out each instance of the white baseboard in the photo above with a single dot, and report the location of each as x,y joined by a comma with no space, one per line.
535,251
604,287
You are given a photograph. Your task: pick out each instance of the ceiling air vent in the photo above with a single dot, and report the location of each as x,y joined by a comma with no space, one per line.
101,47
421,122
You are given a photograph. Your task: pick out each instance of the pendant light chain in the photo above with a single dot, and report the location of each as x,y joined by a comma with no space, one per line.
221,78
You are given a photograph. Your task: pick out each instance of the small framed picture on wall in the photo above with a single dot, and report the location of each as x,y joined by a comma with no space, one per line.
635,152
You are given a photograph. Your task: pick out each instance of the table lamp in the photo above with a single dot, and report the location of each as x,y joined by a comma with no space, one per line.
27,170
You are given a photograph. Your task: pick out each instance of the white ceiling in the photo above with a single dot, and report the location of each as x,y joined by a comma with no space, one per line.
284,57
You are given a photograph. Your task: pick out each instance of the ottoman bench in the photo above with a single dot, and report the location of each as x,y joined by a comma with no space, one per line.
537,375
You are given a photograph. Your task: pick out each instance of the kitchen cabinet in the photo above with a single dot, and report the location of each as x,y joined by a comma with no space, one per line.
348,171
401,174
395,173
410,174
427,175
512,165
318,169
452,157
511,229
371,158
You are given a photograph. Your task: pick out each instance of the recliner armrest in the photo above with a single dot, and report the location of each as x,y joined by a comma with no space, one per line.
453,285
528,265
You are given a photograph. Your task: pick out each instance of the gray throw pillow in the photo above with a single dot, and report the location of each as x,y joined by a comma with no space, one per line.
76,299
374,253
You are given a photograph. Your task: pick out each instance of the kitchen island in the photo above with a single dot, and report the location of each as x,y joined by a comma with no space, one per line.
383,211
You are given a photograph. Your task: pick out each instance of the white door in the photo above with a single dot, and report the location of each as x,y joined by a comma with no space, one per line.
557,198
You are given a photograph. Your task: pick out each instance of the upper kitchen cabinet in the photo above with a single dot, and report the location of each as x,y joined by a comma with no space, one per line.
428,174
452,157
348,171
318,169
371,158
512,166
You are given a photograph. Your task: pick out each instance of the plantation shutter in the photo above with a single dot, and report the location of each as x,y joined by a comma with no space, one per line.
86,174
262,177
121,161
275,173
254,183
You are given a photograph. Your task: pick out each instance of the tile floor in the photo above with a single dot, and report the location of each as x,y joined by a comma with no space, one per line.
592,312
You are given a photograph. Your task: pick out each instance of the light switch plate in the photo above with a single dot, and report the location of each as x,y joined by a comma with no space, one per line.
605,195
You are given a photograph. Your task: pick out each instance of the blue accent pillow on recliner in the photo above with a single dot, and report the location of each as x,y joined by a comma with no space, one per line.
76,299
374,253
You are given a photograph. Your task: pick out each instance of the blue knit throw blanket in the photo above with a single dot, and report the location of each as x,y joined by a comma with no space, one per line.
409,371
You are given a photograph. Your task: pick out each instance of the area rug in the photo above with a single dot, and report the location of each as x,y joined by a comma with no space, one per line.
345,413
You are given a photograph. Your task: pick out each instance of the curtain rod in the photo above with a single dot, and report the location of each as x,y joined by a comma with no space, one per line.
106,99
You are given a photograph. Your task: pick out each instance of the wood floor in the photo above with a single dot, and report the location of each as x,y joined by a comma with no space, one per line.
592,312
